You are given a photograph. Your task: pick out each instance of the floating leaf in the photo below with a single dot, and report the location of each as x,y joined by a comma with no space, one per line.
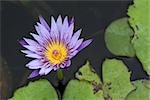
118,36
87,73
38,90
139,14
116,79
81,90
87,87
141,92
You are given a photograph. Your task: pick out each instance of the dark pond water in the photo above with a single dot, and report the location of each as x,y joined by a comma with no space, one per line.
18,19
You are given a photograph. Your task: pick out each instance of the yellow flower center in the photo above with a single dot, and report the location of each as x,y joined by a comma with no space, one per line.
56,52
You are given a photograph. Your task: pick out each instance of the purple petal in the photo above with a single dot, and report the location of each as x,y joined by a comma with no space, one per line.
33,48
62,66
71,21
34,74
56,67
59,23
78,43
65,23
38,30
43,31
31,42
37,38
44,23
65,64
23,42
64,28
47,64
34,64
48,70
72,54
68,63
42,71
70,29
54,29
75,38
33,55
69,32
45,69
84,44
26,51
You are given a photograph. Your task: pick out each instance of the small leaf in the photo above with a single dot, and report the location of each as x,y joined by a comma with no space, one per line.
141,92
81,90
38,90
116,79
118,36
87,73
139,14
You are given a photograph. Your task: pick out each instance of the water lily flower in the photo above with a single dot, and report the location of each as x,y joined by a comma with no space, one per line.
53,47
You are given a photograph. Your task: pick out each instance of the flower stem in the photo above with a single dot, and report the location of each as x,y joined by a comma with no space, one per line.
60,74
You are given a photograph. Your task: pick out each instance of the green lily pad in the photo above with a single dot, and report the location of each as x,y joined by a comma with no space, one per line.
87,73
139,20
141,92
81,90
116,79
118,36
87,87
38,90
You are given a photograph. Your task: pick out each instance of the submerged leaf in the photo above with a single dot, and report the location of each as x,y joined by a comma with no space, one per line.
38,90
141,92
139,20
118,36
116,79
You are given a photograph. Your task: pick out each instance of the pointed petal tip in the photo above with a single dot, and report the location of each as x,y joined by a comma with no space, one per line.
59,19
33,74
59,16
89,41
66,17
80,30
38,24
71,21
44,23
85,44
66,20
53,22
52,18
26,39
22,42
25,51
40,17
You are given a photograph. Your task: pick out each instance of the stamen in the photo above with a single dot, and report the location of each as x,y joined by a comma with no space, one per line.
56,52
